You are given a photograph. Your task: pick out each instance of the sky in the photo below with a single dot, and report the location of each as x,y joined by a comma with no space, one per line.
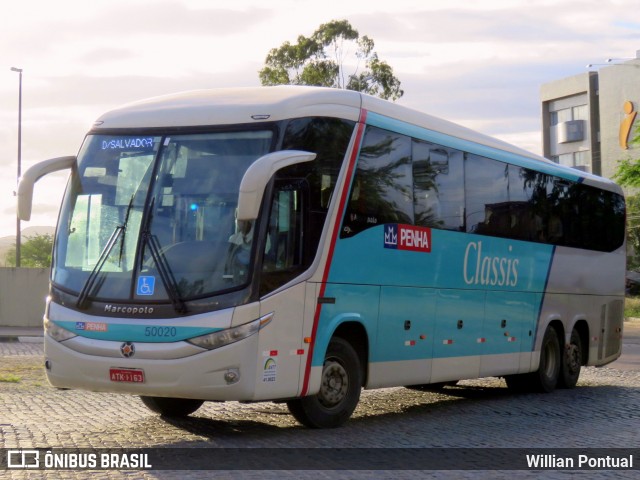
477,63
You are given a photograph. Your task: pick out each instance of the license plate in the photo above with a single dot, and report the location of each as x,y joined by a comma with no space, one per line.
126,375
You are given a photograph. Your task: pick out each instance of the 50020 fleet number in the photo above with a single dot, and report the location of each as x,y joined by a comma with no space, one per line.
160,332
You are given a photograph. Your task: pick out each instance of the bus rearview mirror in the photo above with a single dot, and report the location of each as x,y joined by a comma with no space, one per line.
32,175
258,175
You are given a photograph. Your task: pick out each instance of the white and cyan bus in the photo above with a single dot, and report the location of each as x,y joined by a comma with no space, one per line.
297,244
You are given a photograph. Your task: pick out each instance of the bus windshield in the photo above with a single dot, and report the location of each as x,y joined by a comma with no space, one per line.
153,217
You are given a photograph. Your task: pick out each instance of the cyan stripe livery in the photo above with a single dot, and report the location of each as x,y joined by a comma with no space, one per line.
434,292
137,333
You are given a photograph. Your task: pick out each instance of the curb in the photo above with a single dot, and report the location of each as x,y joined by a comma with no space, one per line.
22,334
20,339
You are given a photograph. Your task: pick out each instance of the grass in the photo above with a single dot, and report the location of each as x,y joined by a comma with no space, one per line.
10,378
632,307
22,372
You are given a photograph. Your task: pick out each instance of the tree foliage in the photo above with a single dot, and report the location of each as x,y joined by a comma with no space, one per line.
628,171
633,230
323,60
628,175
35,252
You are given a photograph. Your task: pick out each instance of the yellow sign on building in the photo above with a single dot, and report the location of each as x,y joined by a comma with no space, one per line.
626,124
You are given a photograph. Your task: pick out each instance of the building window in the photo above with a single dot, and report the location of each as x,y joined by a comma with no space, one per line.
574,159
581,112
580,159
560,116
565,159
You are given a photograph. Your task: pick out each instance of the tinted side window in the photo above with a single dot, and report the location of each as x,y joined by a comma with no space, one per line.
382,189
329,139
593,219
285,252
438,190
410,181
546,209
530,204
487,196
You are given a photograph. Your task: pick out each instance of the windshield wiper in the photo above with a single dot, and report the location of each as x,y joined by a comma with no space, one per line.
166,275
119,231
164,269
91,280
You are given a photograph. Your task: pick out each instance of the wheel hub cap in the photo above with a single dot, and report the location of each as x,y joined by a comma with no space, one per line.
334,384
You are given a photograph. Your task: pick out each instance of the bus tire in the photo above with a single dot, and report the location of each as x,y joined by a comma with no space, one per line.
546,378
571,362
172,407
339,391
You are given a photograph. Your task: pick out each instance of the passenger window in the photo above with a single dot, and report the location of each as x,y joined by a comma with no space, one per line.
529,197
382,188
438,191
487,197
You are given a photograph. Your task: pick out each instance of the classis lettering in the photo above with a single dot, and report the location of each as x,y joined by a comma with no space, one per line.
479,269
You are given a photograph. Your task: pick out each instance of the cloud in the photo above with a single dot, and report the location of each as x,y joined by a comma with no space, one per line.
78,90
100,55
169,18
514,21
123,29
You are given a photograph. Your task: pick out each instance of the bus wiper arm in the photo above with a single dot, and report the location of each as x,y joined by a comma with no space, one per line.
166,275
120,230
91,280
124,227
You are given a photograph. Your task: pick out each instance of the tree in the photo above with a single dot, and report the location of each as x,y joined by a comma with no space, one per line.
35,252
321,60
628,171
633,230
628,175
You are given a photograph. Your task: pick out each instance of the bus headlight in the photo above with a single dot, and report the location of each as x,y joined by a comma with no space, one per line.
231,335
56,332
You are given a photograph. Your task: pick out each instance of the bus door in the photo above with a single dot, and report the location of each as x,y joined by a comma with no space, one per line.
281,347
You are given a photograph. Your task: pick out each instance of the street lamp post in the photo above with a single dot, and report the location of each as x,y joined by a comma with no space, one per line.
18,234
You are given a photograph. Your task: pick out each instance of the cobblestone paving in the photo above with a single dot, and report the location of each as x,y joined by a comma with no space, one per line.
602,412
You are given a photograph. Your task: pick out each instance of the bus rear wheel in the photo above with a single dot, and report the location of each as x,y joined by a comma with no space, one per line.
571,362
172,407
545,379
339,390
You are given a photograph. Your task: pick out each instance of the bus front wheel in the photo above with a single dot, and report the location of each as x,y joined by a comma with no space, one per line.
172,407
339,390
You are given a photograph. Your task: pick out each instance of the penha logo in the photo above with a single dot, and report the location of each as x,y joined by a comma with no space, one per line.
391,236
407,237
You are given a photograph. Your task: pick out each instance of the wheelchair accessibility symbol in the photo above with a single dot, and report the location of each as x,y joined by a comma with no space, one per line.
146,285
